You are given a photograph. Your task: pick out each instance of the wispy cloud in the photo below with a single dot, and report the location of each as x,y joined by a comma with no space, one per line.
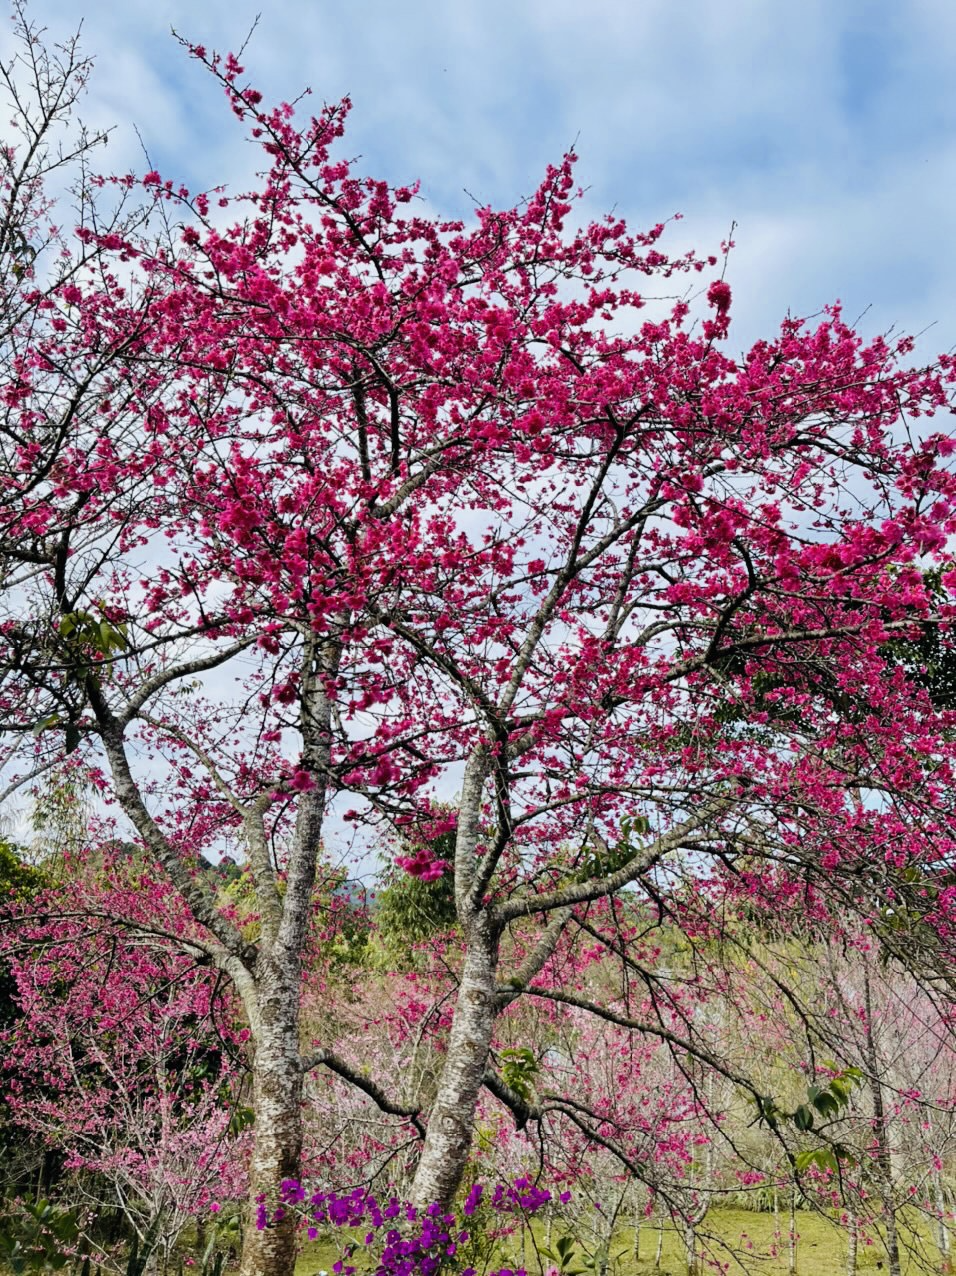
823,130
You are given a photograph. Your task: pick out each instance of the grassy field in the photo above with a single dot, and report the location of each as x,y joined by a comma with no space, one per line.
743,1241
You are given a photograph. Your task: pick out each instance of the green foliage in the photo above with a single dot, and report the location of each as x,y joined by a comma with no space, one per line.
87,642
237,892
224,871
821,1248
60,818
212,1263
242,1118
826,1103
22,251
598,863
913,892
738,714
820,1158
569,1262
408,910
349,922
38,1238
45,1238
18,880
562,1254
929,659
519,1067
227,1233
83,630
341,919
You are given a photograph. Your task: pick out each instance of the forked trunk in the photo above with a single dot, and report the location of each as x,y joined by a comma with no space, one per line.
274,1005
452,1121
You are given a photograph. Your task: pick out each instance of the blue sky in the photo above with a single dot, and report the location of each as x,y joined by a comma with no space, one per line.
825,129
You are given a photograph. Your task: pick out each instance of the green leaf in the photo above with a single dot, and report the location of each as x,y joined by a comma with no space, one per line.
827,1105
519,1067
825,1158
44,724
803,1117
241,1119
839,1092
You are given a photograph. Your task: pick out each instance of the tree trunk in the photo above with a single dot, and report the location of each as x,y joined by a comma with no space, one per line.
943,1229
275,1004
884,1152
851,1246
690,1245
451,1124
893,1242
792,1244
660,1244
776,1217
277,1103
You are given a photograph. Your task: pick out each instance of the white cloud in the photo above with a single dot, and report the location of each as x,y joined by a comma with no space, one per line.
823,132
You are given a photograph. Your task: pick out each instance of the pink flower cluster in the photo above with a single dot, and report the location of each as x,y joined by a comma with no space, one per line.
423,865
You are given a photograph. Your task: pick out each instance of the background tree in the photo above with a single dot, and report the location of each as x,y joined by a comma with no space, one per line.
414,900
123,1062
24,1166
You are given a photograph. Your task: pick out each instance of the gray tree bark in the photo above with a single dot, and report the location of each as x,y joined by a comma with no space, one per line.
450,1125
792,1240
267,975
480,996
942,1227
851,1243
277,1103
881,1131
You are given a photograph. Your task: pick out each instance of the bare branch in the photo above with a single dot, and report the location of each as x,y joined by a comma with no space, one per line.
326,1059
597,888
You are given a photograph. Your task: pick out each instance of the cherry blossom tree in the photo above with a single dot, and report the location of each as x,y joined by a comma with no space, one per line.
335,505
123,1059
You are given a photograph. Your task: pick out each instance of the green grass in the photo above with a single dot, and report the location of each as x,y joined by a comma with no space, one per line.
747,1242
741,1238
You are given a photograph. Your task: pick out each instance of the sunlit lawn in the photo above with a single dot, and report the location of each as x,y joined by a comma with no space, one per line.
743,1241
